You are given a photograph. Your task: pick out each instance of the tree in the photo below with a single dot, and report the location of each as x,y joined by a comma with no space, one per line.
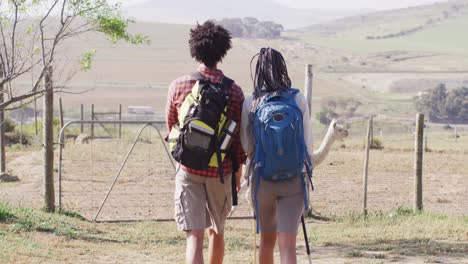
444,105
31,31
433,102
250,27
234,25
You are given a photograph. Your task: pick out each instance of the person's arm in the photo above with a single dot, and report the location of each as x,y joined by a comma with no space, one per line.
307,122
245,137
170,109
236,108
237,102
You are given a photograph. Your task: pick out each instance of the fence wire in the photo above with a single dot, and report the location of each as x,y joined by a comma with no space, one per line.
391,180
144,190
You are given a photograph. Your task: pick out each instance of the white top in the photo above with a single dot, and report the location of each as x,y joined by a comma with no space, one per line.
248,143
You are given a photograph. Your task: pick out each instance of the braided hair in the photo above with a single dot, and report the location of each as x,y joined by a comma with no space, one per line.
271,73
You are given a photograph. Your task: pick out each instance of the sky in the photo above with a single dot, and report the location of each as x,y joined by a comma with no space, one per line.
338,4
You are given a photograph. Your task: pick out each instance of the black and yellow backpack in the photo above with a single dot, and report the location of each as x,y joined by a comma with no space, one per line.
203,136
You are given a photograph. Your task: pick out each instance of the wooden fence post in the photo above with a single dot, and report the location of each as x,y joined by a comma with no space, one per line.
48,141
61,112
308,95
418,161
2,130
92,119
61,116
366,163
120,119
81,118
308,86
21,129
36,128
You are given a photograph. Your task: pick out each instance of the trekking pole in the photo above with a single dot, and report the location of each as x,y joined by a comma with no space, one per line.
254,241
306,239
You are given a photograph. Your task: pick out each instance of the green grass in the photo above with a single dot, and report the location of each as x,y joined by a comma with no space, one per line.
6,213
377,236
31,220
403,232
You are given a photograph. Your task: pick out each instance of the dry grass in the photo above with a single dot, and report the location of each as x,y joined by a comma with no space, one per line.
34,236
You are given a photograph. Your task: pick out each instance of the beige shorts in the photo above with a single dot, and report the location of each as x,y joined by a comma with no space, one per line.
280,205
201,202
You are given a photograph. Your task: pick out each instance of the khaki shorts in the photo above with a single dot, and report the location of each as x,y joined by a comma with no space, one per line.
201,202
280,205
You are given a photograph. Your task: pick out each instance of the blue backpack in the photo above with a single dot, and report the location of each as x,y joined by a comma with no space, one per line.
280,149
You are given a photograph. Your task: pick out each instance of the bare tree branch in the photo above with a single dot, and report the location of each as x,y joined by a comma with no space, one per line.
62,13
21,105
13,37
41,28
20,98
7,59
77,33
10,78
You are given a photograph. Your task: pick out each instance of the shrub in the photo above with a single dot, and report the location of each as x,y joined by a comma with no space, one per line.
376,144
404,211
9,125
14,138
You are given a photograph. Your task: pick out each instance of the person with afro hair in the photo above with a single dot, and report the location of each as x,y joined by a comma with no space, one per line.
201,200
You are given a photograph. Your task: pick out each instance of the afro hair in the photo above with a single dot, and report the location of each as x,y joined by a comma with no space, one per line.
209,43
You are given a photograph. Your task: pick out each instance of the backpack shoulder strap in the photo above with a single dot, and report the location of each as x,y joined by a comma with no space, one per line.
293,91
290,96
227,82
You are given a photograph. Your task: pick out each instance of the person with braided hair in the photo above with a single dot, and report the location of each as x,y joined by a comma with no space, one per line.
278,190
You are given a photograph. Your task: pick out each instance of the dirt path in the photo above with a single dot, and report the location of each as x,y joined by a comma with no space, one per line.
28,190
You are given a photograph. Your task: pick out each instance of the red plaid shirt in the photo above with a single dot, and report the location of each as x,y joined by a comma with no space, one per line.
181,87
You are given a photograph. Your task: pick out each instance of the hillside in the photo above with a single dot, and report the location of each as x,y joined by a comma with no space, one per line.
390,21
142,73
432,28
344,63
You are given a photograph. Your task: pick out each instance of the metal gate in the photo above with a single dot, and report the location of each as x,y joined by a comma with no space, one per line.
120,179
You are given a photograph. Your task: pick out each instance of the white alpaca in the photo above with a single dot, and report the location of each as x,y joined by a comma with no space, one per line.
335,132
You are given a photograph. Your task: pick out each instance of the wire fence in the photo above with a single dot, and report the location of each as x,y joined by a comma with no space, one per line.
144,189
391,179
